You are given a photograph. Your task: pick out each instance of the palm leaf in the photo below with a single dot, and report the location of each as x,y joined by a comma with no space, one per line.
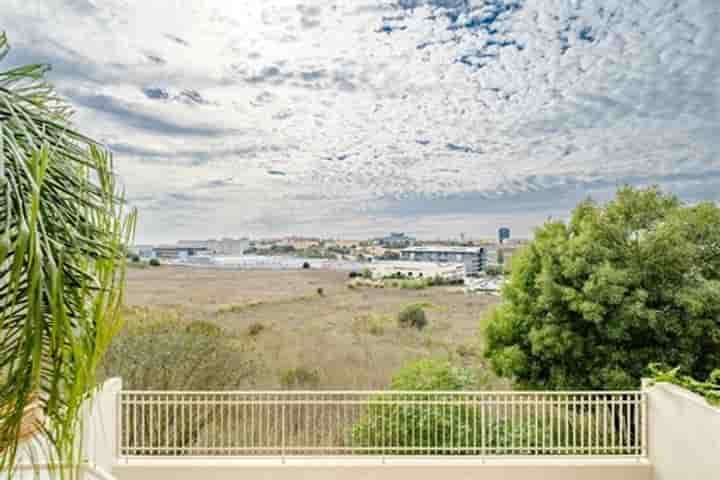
64,232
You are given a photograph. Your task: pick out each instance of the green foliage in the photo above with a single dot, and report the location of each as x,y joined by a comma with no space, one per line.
154,262
412,316
63,248
388,424
591,303
175,354
300,378
434,421
432,374
710,388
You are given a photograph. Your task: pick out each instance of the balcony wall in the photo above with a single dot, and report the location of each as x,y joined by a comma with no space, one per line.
684,434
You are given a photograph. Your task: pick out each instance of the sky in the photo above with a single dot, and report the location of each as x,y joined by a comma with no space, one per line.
354,118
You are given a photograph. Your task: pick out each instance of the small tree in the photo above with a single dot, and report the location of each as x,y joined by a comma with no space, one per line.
412,316
591,303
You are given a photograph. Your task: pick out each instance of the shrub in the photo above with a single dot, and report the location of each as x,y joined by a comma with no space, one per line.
176,354
299,378
412,316
255,329
710,389
306,265
417,425
321,291
465,351
135,258
431,374
154,262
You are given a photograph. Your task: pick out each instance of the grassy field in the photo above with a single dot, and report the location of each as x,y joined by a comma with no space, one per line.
348,338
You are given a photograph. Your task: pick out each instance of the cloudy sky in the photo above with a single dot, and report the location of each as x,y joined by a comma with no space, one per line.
355,117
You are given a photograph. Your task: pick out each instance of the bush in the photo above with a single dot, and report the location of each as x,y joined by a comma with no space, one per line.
255,329
417,425
321,291
154,262
300,378
175,354
710,389
431,374
135,258
306,265
412,316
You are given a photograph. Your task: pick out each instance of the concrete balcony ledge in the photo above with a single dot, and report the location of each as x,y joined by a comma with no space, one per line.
392,468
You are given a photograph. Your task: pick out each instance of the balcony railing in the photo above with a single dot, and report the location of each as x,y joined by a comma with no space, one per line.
201,424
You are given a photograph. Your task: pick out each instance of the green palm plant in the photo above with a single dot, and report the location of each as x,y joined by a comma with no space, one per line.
63,239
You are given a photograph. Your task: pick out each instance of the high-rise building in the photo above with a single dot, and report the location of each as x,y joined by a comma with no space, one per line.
503,234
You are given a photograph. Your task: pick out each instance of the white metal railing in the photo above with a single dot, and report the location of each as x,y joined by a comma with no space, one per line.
383,423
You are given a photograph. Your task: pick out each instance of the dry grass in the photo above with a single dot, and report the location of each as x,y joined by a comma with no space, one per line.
349,336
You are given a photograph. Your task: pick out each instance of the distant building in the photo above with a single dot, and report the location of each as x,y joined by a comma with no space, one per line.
503,234
170,252
144,252
223,246
397,240
407,269
472,257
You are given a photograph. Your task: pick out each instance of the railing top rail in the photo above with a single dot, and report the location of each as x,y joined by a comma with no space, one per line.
381,392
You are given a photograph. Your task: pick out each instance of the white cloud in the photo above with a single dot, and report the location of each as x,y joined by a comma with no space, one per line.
347,116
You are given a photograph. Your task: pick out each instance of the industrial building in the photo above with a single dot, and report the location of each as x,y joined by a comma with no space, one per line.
396,240
472,257
223,246
446,271
170,252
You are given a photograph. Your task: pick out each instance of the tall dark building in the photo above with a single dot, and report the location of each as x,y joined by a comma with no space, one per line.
503,234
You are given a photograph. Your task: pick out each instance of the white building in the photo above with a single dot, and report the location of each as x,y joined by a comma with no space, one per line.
224,246
472,257
447,271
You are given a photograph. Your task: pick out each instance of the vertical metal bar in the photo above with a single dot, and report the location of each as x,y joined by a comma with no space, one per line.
644,414
283,439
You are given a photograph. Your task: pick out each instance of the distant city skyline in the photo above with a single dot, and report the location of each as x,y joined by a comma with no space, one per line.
355,118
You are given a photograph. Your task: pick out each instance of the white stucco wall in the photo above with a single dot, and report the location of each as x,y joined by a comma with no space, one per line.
100,425
98,439
683,434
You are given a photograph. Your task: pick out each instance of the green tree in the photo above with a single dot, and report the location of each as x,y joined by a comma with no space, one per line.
63,247
591,303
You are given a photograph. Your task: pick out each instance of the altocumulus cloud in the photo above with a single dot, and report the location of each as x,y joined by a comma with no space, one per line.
355,116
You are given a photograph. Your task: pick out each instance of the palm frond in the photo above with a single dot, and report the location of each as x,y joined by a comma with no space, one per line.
63,241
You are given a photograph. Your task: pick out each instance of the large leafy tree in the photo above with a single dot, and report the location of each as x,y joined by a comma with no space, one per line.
592,302
63,239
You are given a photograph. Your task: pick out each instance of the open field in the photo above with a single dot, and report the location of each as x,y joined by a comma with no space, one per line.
349,337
